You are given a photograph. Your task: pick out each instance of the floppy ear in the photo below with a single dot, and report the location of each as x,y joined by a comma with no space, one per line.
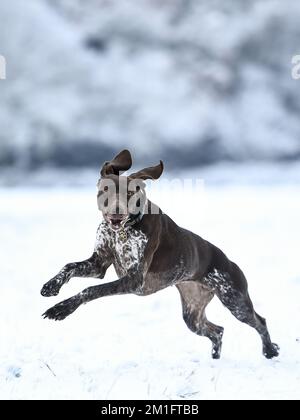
153,172
120,163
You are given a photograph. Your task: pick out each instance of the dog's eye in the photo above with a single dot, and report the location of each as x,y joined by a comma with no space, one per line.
105,188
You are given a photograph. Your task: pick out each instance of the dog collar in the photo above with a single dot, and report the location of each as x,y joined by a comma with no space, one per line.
132,221
126,224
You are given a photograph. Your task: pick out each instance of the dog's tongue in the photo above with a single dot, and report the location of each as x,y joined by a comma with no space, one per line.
116,223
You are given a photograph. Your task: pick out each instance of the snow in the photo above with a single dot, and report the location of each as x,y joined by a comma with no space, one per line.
133,347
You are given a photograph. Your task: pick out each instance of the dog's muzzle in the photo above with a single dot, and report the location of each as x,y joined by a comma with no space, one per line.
116,221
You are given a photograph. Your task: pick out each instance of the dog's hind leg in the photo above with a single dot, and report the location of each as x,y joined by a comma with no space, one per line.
194,299
231,288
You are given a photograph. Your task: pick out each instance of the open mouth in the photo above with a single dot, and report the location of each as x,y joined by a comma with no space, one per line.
116,220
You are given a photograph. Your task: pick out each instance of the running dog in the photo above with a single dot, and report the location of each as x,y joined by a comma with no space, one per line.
150,252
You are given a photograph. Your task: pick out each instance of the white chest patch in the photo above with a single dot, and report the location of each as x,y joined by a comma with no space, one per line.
128,253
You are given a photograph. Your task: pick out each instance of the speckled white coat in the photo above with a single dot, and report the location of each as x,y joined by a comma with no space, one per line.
128,254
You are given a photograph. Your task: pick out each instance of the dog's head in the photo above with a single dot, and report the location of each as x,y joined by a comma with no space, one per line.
123,198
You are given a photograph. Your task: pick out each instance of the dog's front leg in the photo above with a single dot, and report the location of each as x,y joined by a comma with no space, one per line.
122,286
92,267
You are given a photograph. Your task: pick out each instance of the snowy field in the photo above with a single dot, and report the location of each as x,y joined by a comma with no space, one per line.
132,347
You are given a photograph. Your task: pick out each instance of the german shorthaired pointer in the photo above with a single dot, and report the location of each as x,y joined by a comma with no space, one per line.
149,253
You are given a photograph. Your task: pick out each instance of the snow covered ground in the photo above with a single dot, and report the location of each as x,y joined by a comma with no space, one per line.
132,347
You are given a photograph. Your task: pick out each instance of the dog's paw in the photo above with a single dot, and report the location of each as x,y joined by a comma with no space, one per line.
63,309
271,351
51,288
